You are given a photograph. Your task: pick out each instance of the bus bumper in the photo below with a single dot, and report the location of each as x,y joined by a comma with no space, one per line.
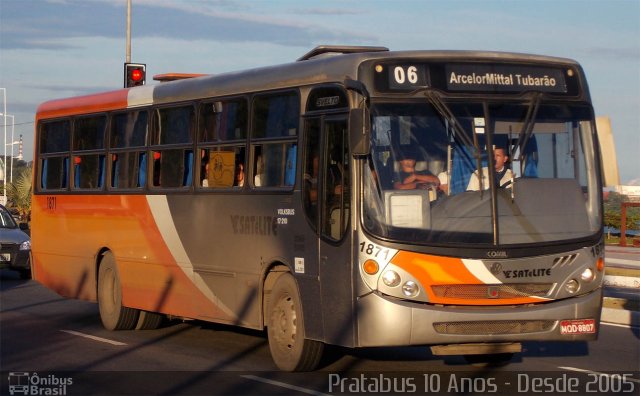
384,321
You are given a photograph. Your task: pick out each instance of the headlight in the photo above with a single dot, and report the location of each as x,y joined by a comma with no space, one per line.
26,245
410,289
588,275
572,286
391,278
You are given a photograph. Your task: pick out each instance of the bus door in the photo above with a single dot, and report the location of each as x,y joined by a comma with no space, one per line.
327,195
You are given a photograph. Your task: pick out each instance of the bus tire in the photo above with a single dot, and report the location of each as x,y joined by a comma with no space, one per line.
149,320
24,274
290,350
113,314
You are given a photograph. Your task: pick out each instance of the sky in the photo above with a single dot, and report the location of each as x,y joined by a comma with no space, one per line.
60,48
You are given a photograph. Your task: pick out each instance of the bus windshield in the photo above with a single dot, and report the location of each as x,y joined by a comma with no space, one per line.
484,173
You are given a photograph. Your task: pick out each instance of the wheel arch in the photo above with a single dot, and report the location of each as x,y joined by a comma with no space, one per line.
96,267
270,275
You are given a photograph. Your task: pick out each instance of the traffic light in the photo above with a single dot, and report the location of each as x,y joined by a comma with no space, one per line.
134,74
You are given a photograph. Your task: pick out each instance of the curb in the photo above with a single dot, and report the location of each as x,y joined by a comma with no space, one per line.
620,316
622,281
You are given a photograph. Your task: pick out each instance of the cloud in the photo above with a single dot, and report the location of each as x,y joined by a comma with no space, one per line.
51,23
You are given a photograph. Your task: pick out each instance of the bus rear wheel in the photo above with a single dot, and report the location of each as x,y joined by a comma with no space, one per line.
290,350
113,314
149,320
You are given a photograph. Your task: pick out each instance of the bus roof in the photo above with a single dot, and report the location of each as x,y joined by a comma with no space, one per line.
328,67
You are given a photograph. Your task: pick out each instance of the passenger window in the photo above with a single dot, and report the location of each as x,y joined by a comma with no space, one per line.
222,167
54,144
88,133
172,168
274,165
89,159
129,129
223,121
55,137
128,169
175,125
276,115
88,171
54,171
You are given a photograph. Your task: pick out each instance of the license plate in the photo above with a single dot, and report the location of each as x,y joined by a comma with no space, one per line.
581,326
5,257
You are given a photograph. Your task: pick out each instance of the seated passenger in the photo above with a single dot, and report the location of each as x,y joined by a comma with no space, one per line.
502,175
409,179
239,175
444,182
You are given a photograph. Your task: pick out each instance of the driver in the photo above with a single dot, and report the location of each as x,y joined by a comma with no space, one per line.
408,178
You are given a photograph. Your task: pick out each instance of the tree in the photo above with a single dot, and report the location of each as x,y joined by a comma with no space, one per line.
19,192
612,212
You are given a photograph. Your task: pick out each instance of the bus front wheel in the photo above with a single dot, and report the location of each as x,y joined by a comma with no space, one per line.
290,350
113,314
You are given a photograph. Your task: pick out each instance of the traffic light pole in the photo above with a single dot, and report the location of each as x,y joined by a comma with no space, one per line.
128,50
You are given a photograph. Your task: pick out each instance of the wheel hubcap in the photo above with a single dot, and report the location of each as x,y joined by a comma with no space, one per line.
284,320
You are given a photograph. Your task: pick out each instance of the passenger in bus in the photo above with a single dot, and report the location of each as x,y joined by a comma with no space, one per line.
444,182
239,177
408,178
502,177
204,169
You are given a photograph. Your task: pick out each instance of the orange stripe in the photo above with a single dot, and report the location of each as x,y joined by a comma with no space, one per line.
67,240
438,270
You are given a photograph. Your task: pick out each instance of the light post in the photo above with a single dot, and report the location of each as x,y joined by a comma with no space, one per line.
9,144
4,118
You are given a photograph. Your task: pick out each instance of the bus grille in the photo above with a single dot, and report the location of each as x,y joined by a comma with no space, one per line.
491,327
512,290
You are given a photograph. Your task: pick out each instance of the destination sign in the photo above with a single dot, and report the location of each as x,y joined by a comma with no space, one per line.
474,78
504,78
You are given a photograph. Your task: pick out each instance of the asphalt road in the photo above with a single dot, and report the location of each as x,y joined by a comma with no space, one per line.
60,345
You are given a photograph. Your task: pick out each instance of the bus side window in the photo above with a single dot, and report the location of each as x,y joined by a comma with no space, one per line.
274,165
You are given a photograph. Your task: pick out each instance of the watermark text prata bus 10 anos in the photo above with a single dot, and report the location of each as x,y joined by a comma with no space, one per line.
506,383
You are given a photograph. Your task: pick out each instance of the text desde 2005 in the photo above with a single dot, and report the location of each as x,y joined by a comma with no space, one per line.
501,383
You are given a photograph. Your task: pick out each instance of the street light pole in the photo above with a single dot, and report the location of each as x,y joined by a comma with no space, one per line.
128,50
12,143
4,118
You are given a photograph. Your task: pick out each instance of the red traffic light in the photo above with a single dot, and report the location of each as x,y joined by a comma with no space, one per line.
134,74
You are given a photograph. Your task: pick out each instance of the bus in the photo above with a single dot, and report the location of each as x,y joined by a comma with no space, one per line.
328,201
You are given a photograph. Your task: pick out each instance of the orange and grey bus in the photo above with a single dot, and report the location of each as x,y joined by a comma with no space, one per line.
356,197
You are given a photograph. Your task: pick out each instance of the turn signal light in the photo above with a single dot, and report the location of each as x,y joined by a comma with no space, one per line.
370,267
600,264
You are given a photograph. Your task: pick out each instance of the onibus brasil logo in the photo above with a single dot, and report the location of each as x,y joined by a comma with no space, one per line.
21,383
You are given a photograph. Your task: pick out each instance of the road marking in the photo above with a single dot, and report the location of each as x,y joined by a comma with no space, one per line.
105,340
617,325
284,385
597,373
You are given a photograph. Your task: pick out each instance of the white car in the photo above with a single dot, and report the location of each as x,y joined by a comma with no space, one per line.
15,245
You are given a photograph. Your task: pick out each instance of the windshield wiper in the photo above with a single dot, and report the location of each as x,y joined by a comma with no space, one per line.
446,113
527,124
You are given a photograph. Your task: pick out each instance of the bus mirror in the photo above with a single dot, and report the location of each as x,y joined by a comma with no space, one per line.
359,126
